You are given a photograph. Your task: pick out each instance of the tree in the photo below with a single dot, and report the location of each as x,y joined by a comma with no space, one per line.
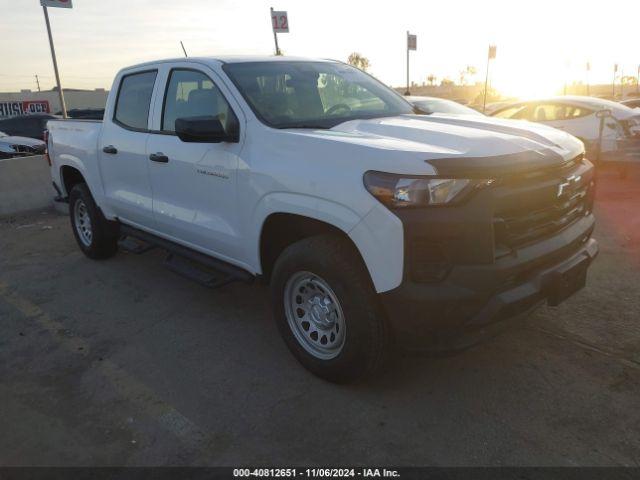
628,80
431,79
468,72
447,82
359,61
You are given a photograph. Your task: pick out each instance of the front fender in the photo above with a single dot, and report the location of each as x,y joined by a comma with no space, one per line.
378,235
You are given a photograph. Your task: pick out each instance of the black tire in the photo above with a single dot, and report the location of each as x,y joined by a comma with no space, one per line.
337,263
104,234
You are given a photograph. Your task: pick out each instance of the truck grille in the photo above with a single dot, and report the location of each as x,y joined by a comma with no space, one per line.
531,208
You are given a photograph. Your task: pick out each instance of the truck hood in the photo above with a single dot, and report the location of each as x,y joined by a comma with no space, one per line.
464,145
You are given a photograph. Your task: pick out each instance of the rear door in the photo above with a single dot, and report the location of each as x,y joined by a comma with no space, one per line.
194,186
122,149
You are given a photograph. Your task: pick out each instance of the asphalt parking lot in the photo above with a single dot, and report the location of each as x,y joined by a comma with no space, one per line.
122,362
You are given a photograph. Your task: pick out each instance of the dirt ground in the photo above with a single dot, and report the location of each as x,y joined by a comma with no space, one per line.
122,362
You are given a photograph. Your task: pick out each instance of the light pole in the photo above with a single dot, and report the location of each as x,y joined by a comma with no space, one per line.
55,63
491,54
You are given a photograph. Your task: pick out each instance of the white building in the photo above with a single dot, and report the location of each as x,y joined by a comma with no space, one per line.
73,98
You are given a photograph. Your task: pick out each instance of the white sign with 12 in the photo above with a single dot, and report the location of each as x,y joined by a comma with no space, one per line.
279,21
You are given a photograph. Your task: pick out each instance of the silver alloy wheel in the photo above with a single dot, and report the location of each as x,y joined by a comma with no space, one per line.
82,222
314,315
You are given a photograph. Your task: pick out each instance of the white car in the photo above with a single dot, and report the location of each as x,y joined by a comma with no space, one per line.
577,115
369,222
12,146
431,105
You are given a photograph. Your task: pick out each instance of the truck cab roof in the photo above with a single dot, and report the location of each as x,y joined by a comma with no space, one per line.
223,59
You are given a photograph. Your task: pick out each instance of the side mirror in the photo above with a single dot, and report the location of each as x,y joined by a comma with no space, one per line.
206,129
421,110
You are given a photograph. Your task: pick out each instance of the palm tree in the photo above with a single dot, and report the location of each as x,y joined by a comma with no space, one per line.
431,79
468,72
359,61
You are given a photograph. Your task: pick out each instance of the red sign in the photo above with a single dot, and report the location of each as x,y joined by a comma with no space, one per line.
26,107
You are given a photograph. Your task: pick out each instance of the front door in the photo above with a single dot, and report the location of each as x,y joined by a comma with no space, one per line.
194,183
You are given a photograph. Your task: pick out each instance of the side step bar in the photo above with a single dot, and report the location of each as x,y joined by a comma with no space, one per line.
194,265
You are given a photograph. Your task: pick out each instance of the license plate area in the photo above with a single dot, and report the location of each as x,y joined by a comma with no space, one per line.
568,280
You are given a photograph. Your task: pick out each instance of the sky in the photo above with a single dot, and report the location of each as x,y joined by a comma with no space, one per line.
540,43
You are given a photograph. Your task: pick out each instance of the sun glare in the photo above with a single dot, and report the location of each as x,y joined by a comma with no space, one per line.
515,84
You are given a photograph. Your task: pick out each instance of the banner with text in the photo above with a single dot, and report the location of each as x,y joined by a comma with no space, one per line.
25,107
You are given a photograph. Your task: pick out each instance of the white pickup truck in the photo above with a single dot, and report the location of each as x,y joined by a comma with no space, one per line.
370,222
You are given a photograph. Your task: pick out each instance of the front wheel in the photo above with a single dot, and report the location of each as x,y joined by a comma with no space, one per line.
327,310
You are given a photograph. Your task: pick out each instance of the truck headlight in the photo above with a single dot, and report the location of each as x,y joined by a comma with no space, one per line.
401,191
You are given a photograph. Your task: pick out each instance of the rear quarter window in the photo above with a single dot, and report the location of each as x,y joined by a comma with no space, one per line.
134,100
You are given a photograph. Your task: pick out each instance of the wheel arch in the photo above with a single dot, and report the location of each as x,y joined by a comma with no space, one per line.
281,229
372,233
70,176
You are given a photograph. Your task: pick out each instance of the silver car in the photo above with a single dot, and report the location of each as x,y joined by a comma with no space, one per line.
11,146
431,105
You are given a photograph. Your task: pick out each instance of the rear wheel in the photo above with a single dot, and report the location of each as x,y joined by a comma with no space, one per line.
96,236
327,310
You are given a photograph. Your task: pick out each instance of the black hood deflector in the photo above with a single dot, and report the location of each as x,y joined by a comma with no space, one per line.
497,166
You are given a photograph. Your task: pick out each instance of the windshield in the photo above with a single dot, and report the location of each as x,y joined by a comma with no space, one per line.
312,94
444,106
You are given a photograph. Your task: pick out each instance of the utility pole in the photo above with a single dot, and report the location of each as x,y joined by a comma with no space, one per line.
613,83
55,63
38,82
638,81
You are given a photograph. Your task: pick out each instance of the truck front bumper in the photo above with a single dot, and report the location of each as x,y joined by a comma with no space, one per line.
454,312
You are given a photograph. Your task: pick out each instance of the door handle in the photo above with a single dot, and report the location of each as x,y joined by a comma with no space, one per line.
110,149
159,157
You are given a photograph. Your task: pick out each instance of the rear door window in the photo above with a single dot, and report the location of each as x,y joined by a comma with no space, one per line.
134,100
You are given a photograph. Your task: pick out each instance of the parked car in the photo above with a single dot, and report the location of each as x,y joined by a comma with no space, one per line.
369,222
631,103
32,126
11,146
429,105
577,116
